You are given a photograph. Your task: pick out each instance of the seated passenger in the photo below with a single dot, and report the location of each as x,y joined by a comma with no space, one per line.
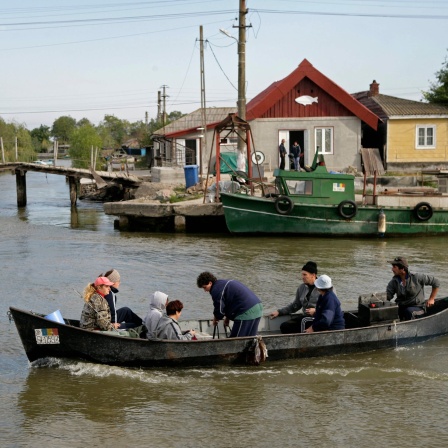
124,315
157,306
96,313
305,301
328,315
168,327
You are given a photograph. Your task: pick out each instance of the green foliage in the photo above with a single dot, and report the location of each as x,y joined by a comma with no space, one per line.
114,131
25,150
184,197
438,92
83,139
111,133
63,128
41,138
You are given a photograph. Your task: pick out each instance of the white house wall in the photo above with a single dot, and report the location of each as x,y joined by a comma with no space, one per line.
265,134
346,139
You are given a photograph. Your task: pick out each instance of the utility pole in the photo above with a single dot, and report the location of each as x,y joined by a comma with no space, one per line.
164,96
242,60
241,104
159,106
203,140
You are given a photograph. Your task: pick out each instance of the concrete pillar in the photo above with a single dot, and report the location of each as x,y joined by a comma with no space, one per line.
73,186
21,188
122,223
179,223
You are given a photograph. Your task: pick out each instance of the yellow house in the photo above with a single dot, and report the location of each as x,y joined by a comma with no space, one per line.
412,136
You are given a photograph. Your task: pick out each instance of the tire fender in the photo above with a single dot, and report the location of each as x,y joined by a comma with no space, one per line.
347,214
284,205
423,211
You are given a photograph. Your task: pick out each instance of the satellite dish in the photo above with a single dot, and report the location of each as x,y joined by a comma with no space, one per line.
257,158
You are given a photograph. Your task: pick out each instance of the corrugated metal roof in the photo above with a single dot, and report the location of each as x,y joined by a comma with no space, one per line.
386,106
193,120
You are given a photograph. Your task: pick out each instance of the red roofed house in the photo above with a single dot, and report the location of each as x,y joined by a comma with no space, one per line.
306,107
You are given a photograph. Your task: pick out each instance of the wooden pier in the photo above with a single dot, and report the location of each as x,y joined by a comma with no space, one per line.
73,174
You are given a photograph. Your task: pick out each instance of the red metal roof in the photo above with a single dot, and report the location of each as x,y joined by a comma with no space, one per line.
278,99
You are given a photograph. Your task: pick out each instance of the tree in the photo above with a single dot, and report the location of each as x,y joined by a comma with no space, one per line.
81,143
175,115
438,92
83,122
140,131
41,138
114,131
63,128
9,132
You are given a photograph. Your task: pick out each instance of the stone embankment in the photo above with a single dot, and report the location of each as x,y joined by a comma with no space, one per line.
157,206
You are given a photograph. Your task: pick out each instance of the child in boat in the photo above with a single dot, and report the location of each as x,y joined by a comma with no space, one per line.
157,306
168,326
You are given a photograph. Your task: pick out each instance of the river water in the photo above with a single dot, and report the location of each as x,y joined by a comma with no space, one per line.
48,254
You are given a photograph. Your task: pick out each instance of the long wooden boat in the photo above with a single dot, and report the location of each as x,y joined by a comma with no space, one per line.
322,203
368,328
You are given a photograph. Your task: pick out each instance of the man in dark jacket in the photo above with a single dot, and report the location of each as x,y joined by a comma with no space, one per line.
282,154
305,301
233,301
409,289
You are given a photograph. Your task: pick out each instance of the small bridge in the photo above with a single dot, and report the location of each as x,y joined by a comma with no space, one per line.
73,174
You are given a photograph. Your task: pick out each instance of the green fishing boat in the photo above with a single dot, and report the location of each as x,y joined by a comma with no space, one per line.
322,203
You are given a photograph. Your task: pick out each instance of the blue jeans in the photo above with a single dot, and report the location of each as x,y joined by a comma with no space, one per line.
297,163
405,313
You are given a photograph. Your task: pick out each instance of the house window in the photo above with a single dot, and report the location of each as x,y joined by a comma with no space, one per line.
324,140
425,137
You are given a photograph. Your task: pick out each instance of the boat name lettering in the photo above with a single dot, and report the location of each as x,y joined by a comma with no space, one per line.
47,335
338,187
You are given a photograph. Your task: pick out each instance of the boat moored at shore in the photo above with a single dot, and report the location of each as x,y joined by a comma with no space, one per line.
322,203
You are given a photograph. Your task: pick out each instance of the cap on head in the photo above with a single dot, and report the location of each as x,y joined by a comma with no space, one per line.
103,281
310,267
399,261
114,276
323,282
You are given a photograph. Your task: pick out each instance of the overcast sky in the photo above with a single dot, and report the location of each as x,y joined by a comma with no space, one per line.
89,58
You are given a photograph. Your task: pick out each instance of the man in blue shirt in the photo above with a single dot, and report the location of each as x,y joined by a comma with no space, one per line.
233,301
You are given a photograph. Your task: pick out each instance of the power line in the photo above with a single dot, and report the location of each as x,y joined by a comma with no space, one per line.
219,65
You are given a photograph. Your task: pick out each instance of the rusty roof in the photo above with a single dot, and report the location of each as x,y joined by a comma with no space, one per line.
191,122
386,106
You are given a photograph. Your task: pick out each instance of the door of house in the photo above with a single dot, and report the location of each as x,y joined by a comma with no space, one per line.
300,138
283,135
190,151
